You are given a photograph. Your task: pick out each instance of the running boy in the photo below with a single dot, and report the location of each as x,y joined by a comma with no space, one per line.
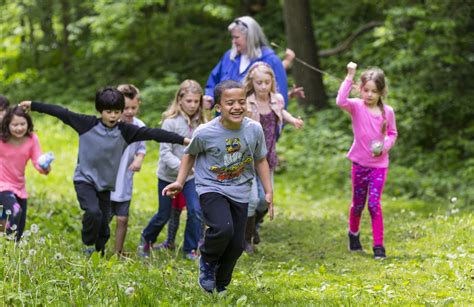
101,144
227,151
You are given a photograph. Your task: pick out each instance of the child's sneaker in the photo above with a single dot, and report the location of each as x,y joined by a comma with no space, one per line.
354,243
144,249
192,255
221,290
88,251
379,252
207,275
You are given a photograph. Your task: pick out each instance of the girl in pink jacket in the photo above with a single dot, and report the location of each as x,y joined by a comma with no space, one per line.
375,132
18,144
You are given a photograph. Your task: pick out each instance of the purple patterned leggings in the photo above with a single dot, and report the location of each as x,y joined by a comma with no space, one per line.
367,180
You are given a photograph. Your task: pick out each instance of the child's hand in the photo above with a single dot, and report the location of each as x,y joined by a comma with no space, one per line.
172,189
207,102
25,105
296,92
135,166
298,123
47,170
137,162
351,70
269,200
186,141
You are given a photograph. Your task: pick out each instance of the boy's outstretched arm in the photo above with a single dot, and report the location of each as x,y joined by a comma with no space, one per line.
187,163
79,122
263,171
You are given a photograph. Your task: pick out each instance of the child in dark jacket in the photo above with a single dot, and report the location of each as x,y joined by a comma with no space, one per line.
102,142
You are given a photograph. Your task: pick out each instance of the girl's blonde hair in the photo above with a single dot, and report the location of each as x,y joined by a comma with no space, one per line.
174,109
260,67
377,75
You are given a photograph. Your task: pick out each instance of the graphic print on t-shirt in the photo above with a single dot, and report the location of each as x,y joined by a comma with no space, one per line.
234,161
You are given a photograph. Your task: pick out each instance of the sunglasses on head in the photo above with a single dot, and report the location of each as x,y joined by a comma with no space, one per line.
240,22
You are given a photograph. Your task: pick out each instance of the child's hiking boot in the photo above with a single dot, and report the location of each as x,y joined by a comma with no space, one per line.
379,252
207,275
192,255
354,243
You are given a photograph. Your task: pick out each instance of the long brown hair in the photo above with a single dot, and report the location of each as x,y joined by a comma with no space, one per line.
377,75
174,109
5,134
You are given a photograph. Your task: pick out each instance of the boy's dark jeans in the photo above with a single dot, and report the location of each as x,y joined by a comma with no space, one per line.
95,222
224,239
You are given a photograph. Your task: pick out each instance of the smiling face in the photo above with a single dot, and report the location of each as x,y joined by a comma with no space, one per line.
110,117
131,109
18,127
232,107
370,93
239,40
190,103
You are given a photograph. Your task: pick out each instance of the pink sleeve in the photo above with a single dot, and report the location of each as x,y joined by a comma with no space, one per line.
342,99
36,152
392,132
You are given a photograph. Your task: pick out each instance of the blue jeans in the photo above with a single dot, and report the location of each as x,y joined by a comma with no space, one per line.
192,234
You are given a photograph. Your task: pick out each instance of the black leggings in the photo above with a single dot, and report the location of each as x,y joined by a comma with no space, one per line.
16,206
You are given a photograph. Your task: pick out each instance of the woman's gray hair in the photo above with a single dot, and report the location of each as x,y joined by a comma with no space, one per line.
254,35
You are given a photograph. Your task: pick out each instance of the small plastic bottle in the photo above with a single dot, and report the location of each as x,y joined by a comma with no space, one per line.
45,160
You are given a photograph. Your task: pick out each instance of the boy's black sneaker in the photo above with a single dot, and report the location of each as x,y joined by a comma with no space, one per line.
354,243
207,275
379,252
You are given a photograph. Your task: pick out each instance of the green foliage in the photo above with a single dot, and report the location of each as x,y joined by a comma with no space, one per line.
302,259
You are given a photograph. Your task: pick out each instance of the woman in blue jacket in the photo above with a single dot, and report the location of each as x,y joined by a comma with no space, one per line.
249,45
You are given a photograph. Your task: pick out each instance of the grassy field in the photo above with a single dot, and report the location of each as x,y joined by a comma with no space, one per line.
303,257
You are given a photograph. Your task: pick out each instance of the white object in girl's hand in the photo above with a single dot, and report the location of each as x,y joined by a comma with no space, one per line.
376,147
45,160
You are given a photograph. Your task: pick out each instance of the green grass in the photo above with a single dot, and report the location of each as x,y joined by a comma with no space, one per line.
303,257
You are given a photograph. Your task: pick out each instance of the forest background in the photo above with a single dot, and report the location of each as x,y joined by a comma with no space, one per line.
62,51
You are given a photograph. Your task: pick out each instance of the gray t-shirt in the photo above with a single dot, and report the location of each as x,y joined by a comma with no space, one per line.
225,158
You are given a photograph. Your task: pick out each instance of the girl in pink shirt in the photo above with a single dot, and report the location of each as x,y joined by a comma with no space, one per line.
375,132
18,144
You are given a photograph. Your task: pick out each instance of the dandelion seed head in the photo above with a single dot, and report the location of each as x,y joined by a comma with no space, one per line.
58,256
13,227
27,233
41,241
129,291
8,212
27,261
454,199
34,228
32,252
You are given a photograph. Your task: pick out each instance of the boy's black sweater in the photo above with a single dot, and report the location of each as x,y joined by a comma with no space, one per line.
101,147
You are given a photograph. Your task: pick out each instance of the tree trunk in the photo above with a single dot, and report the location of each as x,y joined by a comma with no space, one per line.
299,32
45,8
66,20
